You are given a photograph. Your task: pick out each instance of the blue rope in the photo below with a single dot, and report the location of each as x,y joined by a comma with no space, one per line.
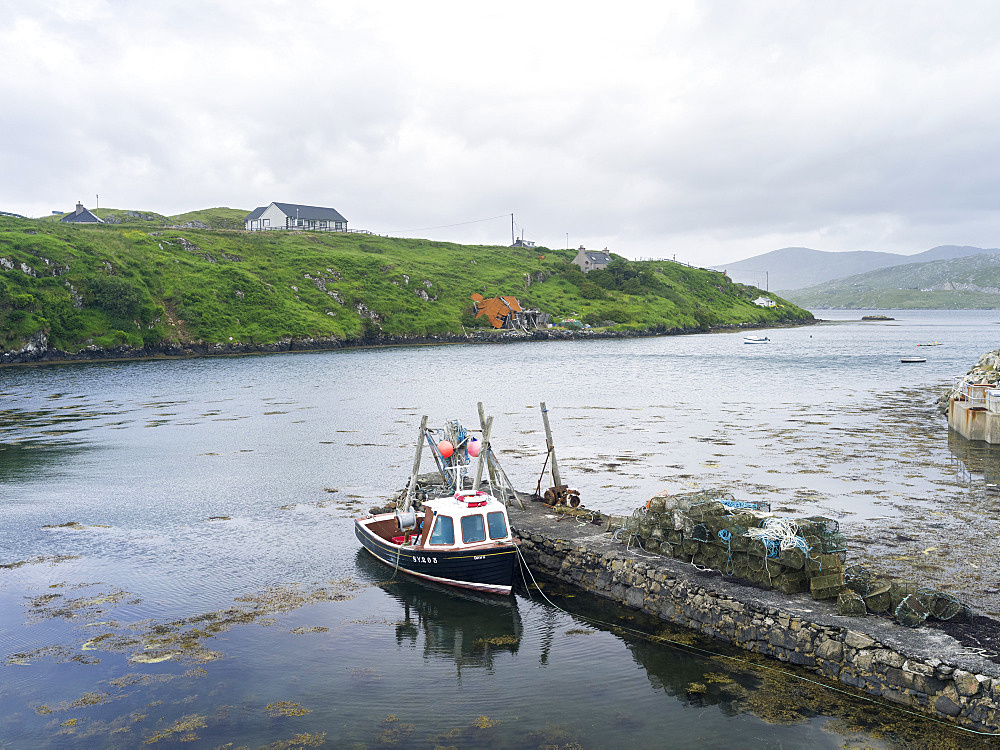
773,547
726,536
740,504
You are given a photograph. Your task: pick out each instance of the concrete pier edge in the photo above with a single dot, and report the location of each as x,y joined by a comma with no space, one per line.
923,669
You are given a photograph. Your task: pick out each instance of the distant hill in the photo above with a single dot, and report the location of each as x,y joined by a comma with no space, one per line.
800,267
957,283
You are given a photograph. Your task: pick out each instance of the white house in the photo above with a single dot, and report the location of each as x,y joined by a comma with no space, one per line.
294,216
590,260
764,302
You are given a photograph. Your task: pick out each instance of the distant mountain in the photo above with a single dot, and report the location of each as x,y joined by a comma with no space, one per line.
800,267
969,282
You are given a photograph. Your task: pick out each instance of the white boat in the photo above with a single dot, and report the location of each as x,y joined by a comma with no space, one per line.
756,340
460,537
911,360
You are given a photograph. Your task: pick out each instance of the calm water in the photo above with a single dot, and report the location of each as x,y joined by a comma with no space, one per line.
210,588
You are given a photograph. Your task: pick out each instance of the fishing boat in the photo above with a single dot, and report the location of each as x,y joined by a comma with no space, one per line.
460,534
756,340
912,360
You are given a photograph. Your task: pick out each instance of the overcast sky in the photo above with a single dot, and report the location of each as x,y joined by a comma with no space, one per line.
712,131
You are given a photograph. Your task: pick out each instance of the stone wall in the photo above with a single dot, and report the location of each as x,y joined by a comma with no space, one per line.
879,661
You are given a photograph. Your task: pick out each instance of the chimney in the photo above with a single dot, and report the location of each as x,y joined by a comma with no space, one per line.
79,208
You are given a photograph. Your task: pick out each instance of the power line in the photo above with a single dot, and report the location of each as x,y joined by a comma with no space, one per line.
459,224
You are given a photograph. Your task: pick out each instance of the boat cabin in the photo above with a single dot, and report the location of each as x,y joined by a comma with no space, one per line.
465,519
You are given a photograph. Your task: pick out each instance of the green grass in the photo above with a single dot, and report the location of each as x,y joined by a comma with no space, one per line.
214,218
142,284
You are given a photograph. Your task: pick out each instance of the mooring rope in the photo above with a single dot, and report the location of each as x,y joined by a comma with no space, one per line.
777,670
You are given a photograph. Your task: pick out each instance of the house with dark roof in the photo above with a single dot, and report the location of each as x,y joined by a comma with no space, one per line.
590,260
294,216
82,216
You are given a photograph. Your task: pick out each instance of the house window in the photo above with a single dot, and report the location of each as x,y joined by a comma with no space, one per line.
322,223
265,222
473,529
444,531
498,527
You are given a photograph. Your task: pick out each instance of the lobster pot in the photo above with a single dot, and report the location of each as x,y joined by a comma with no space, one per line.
792,557
645,528
632,524
666,549
899,590
821,524
682,522
833,544
859,579
690,546
756,547
878,599
740,565
911,612
675,537
826,586
656,534
701,533
706,510
651,545
939,604
790,582
657,503
850,604
820,564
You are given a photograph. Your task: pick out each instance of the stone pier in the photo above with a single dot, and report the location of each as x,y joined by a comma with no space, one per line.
924,669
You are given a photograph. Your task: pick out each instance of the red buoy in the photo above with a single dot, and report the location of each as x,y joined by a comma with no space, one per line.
446,448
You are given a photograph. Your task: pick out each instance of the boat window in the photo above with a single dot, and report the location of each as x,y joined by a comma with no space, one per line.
473,529
498,526
444,531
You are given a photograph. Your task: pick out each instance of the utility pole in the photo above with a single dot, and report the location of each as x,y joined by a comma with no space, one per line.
512,230
97,206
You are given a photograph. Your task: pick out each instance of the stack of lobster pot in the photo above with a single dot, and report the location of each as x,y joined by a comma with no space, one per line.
742,539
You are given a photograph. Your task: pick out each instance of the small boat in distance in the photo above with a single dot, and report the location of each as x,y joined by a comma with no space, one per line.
756,340
461,535
911,360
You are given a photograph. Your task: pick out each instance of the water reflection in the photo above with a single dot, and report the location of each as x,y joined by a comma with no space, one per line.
467,628
29,460
976,461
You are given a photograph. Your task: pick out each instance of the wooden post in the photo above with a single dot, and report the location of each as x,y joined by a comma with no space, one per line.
482,426
416,464
484,451
556,480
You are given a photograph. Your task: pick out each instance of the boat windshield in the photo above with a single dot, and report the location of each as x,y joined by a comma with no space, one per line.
497,524
473,529
444,531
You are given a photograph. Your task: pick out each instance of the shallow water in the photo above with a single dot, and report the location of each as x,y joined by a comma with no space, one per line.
211,588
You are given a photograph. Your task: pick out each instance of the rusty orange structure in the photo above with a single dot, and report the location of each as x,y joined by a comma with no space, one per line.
496,309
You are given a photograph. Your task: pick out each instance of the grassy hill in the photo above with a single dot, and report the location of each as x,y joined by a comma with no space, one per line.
965,283
138,284
206,218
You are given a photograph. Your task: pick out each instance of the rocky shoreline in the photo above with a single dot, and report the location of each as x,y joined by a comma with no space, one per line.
986,370
37,351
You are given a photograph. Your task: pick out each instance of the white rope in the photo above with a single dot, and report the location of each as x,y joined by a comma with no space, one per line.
784,531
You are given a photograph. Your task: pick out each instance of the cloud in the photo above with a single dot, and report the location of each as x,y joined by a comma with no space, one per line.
713,130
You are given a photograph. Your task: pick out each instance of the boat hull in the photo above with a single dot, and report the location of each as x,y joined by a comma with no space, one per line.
490,569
